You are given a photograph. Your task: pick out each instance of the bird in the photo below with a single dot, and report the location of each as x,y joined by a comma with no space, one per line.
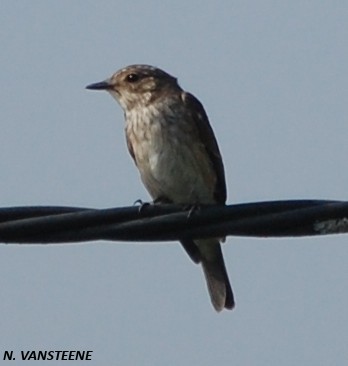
173,145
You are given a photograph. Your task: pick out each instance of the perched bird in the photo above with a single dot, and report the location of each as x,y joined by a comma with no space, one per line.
173,146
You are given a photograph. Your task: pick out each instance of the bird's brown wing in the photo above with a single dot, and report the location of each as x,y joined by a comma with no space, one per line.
207,137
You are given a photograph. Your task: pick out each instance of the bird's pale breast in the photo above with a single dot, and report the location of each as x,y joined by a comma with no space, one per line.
172,160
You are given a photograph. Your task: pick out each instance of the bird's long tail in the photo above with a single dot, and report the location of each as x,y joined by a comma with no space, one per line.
215,273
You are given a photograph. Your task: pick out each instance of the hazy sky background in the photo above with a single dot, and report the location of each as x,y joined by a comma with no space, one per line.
272,76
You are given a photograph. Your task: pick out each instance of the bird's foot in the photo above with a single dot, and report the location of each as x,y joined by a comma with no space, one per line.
142,205
192,209
138,202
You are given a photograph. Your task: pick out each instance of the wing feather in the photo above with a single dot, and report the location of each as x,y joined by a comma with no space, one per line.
207,136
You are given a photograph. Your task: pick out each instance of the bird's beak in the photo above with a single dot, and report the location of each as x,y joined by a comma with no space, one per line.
102,85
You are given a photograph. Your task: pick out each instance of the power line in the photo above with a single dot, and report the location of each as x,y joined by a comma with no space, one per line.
55,224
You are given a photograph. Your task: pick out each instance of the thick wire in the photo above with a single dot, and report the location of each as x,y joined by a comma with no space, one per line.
28,225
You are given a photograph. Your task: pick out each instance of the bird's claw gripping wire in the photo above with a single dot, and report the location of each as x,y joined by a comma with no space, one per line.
142,205
192,209
156,201
138,201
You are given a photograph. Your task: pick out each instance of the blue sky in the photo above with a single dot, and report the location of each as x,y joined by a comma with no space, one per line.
273,79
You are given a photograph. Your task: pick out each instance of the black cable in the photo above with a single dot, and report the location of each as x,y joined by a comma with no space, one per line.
172,222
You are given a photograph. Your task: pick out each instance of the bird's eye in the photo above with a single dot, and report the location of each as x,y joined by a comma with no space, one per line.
132,78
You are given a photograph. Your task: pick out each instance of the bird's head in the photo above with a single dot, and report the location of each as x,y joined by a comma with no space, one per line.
137,85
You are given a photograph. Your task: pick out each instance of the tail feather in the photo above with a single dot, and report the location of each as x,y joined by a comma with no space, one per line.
215,273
